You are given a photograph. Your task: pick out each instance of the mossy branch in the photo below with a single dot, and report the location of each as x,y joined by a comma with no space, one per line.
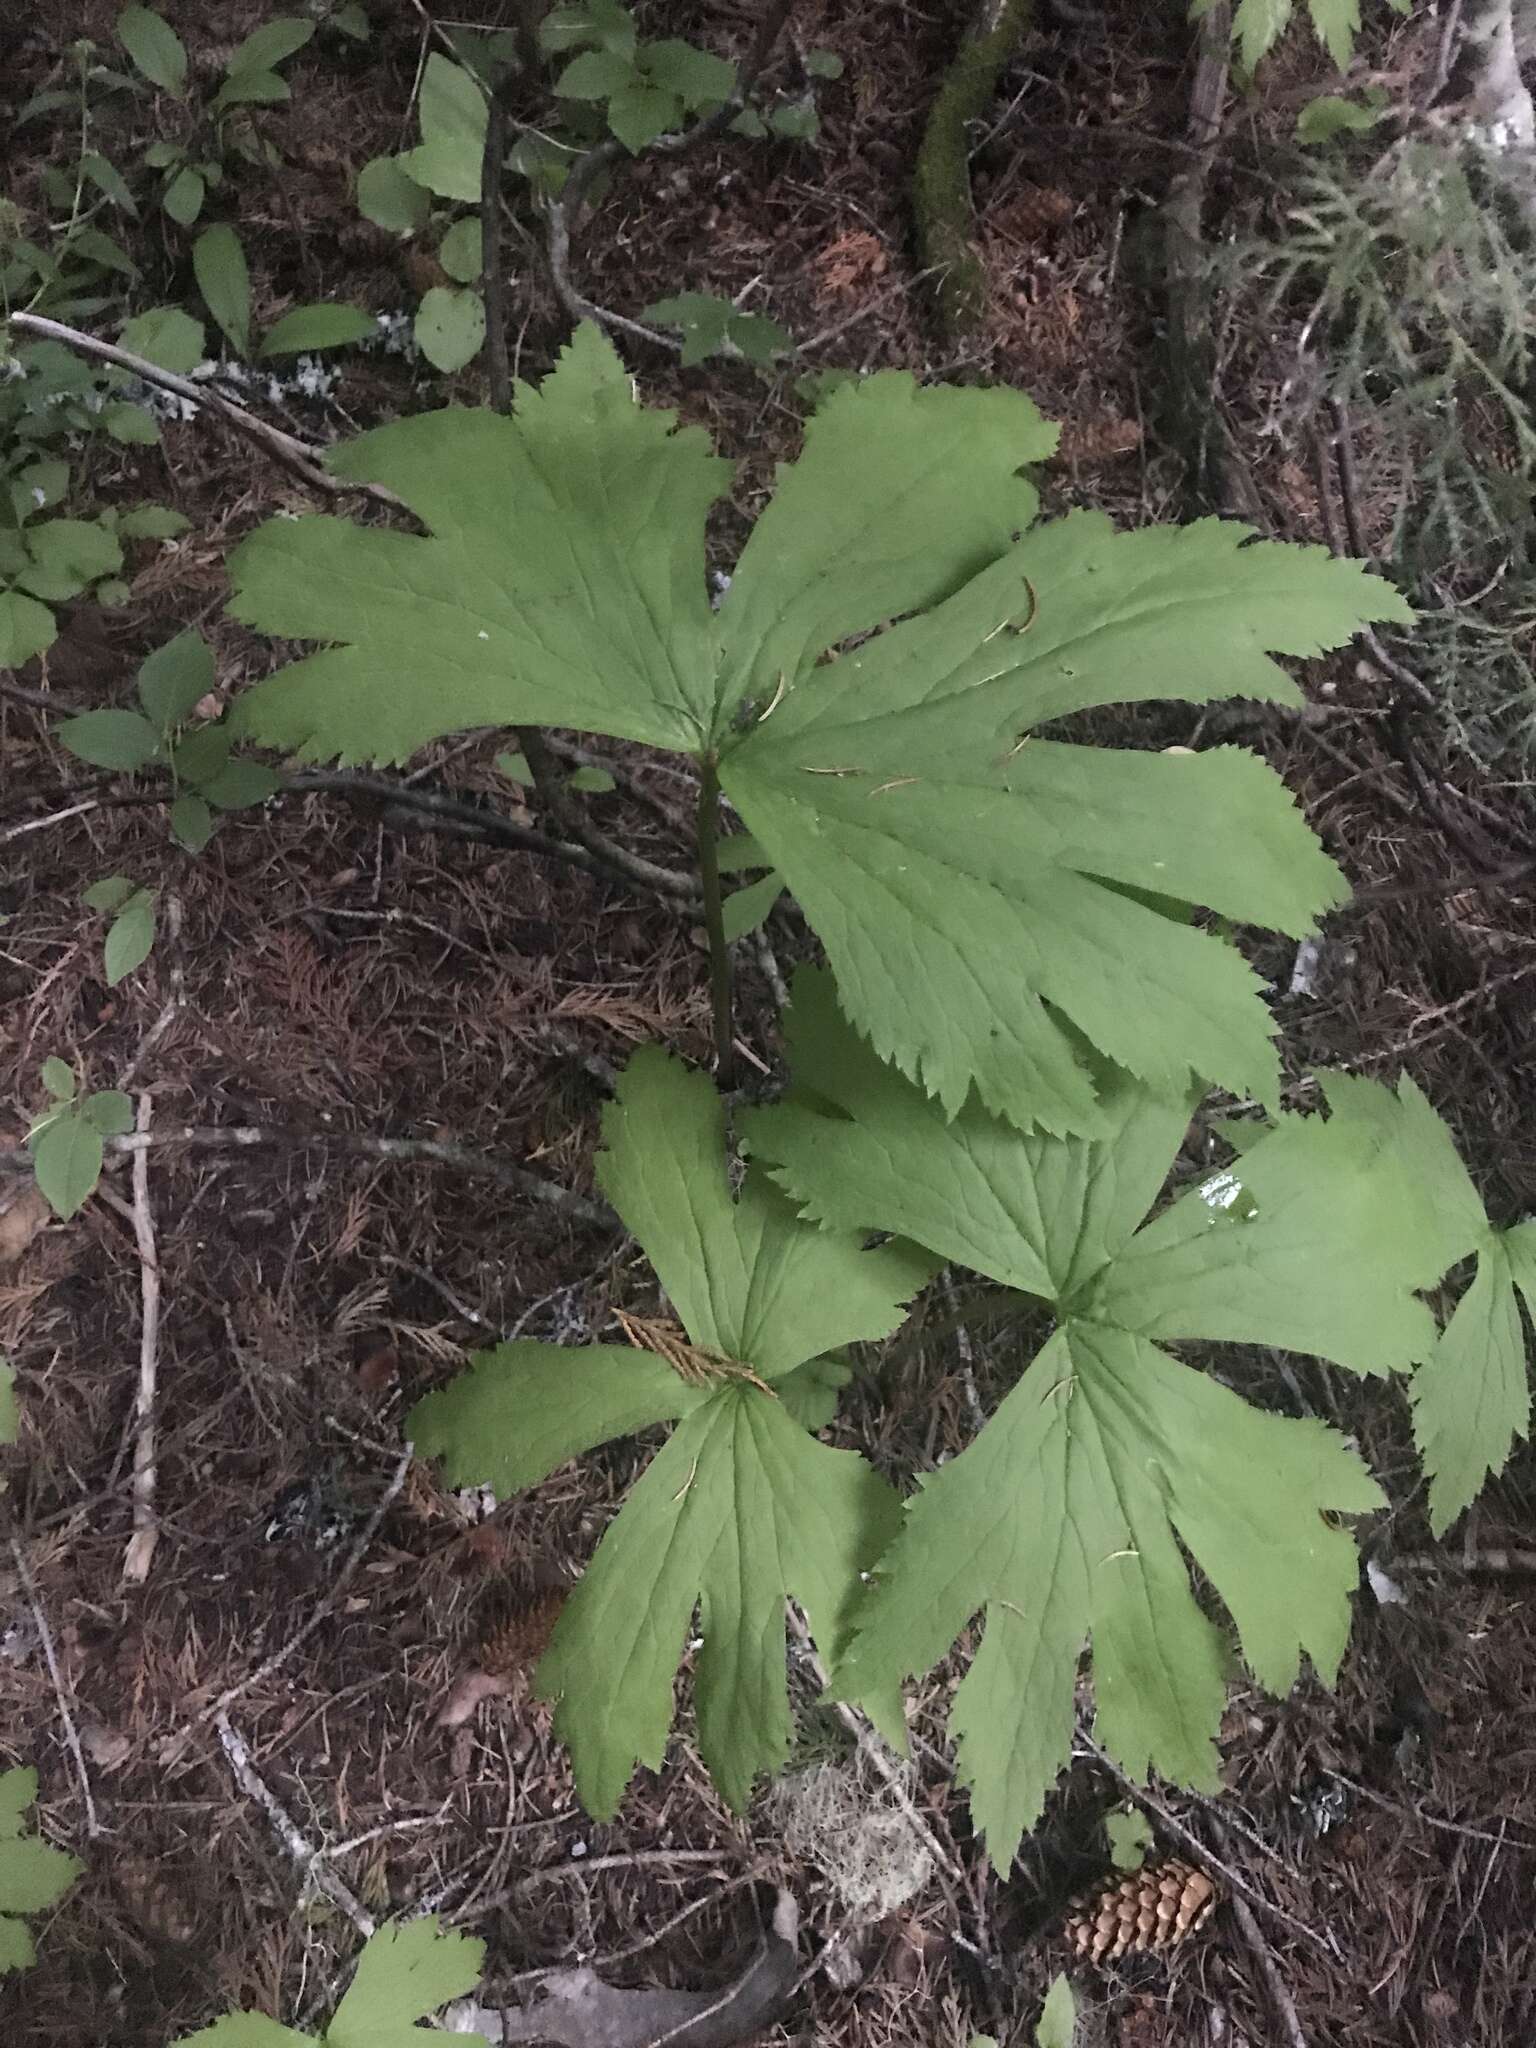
941,186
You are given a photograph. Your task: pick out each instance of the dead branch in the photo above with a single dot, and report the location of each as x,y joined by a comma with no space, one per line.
463,819
308,1858
305,458
255,1137
60,1691
146,1529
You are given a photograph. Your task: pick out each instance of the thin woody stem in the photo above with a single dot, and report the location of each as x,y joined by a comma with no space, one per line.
714,916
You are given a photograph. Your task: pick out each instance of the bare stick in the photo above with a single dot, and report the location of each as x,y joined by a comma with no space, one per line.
146,1529
254,1137
582,1866
1263,1955
305,458
71,1733
308,1858
216,1709
52,818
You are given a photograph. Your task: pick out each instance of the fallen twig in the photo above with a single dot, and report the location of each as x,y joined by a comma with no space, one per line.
466,819
309,1859
146,1529
304,458
51,1655
581,1866
1269,1970
49,818
253,1137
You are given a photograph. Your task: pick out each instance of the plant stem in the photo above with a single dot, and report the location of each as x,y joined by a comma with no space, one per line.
498,369
714,919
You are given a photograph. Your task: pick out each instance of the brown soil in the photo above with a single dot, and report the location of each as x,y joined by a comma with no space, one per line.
321,967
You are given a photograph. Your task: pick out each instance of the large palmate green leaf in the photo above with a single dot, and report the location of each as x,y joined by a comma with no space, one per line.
1063,1521
872,689
742,1508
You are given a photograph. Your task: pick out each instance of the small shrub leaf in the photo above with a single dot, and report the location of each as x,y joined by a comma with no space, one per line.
175,679
111,893
1057,2025
27,628
155,48
273,43
59,1079
218,263
110,1110
460,252
111,739
452,114
191,822
450,326
392,199
240,785
167,337
131,939
745,909
317,327
66,1158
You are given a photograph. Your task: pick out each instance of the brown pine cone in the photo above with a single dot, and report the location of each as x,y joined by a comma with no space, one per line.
1155,1908
1033,213
518,1643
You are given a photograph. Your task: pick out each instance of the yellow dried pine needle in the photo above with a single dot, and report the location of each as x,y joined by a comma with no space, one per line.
689,1361
1154,1908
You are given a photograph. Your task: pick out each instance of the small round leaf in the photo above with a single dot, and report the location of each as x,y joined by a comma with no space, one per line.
450,326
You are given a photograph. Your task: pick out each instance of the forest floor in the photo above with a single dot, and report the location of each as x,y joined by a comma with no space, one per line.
324,968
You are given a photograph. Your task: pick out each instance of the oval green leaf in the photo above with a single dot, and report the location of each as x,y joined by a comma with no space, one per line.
391,199
316,327
131,939
450,326
66,1157
218,263
110,739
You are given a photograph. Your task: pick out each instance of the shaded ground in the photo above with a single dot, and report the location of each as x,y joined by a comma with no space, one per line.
332,968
